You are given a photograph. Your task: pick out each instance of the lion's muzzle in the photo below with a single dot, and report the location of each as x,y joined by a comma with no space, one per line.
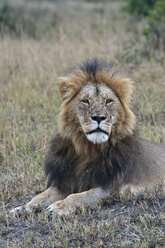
99,134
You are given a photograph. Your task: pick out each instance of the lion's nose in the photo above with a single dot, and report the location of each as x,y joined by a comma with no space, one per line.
98,118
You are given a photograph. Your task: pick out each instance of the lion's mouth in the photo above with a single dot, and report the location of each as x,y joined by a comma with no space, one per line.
98,130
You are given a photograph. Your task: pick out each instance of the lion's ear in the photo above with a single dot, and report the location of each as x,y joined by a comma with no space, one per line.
64,87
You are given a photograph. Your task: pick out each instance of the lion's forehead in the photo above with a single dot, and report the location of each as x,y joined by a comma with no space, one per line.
95,91
97,95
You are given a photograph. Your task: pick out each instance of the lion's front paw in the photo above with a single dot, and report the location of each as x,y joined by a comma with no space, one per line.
16,212
60,208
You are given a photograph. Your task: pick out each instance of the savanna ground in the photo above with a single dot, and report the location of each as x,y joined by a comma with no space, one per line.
29,103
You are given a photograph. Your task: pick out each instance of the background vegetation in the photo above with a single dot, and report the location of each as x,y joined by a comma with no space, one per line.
39,41
154,30
140,7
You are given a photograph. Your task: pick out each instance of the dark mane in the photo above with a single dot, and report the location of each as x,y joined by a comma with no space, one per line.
71,173
93,66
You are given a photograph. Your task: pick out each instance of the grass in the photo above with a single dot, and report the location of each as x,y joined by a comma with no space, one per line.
28,112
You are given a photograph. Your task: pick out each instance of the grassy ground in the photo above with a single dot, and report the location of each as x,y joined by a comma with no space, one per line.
29,103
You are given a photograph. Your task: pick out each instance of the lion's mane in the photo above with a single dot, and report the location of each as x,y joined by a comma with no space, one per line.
73,164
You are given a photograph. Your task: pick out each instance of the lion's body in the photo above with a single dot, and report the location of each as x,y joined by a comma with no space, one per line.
97,149
132,161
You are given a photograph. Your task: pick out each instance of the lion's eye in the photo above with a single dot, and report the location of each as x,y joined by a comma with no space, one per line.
85,101
109,101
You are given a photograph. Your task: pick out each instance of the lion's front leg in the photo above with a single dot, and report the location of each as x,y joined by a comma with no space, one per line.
45,198
86,198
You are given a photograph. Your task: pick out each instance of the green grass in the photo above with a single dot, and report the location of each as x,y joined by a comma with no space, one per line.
29,105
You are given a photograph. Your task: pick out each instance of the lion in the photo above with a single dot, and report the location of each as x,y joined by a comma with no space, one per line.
97,149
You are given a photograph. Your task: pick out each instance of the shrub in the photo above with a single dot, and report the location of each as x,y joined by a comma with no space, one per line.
155,29
140,7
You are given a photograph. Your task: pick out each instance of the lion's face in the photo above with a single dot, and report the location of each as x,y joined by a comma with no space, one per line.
97,111
96,108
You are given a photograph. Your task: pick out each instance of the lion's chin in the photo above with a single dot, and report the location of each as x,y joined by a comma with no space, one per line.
97,137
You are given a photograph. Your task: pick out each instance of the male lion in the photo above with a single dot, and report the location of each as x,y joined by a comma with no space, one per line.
96,150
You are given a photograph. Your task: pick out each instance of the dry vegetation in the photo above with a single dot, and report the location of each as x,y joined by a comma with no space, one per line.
29,104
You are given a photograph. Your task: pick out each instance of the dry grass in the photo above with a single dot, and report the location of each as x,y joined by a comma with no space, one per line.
28,111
